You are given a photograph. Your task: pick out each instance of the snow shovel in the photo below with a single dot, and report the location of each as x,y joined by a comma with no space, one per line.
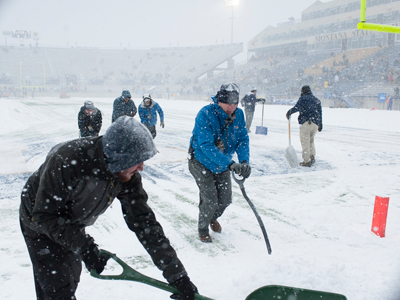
268,292
290,153
240,182
130,274
261,129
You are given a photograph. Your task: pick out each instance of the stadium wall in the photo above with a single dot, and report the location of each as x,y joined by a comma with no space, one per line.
330,27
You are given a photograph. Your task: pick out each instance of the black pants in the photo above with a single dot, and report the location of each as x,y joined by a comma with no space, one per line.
56,270
215,193
82,134
152,130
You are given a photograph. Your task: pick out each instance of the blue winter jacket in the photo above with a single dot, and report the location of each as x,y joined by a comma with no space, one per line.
309,107
208,128
148,114
121,108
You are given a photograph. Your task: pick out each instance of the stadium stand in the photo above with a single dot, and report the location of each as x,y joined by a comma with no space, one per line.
136,69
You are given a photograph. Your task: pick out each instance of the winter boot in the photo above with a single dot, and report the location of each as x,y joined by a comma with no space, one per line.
312,159
215,226
206,238
304,164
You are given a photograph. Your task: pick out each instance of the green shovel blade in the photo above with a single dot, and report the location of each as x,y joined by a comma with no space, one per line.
269,292
284,292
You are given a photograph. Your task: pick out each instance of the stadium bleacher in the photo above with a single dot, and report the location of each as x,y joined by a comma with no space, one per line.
82,67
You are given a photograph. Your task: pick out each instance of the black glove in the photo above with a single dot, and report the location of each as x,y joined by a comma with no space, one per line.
241,169
235,167
288,114
92,260
320,127
186,287
262,100
246,170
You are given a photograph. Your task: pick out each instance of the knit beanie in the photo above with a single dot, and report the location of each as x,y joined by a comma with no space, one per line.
305,89
127,143
228,93
126,94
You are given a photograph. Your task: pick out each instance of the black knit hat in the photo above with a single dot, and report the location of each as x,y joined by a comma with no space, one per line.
305,89
126,94
127,143
228,93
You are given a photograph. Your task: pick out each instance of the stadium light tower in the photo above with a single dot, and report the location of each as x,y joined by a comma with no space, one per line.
232,3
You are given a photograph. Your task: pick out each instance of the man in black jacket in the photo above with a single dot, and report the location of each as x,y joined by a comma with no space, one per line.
310,120
123,106
249,103
75,185
89,120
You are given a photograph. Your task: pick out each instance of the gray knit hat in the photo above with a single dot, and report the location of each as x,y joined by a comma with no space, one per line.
89,105
127,143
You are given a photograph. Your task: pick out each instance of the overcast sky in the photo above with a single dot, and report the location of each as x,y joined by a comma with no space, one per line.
143,24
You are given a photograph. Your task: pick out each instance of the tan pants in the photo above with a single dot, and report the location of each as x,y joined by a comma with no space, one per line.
307,133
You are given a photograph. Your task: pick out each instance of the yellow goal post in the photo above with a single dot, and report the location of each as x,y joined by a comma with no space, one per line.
374,27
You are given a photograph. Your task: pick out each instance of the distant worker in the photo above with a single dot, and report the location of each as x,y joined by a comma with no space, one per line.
89,120
310,120
148,114
249,104
124,106
389,102
218,133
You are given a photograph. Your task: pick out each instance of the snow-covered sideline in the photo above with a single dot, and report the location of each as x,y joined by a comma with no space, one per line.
318,219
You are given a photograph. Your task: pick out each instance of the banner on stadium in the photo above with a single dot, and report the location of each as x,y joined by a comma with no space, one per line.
382,97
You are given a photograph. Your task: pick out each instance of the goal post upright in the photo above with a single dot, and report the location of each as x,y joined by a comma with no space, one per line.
362,25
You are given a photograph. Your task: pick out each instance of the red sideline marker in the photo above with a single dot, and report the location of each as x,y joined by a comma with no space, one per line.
380,216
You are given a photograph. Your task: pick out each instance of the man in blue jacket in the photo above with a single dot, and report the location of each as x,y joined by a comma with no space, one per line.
123,106
310,120
148,114
249,103
218,133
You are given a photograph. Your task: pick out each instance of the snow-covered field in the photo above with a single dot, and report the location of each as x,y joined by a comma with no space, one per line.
318,219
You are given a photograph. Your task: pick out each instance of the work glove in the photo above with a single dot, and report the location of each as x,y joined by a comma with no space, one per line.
246,170
241,169
91,258
186,287
288,114
162,124
320,127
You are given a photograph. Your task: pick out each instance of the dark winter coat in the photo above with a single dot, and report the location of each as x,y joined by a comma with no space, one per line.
148,114
209,127
249,102
309,107
84,121
121,108
74,187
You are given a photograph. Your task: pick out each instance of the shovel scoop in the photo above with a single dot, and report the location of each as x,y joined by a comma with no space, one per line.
268,292
290,153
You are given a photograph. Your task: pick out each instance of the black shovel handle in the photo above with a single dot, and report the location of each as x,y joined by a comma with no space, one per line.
240,182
